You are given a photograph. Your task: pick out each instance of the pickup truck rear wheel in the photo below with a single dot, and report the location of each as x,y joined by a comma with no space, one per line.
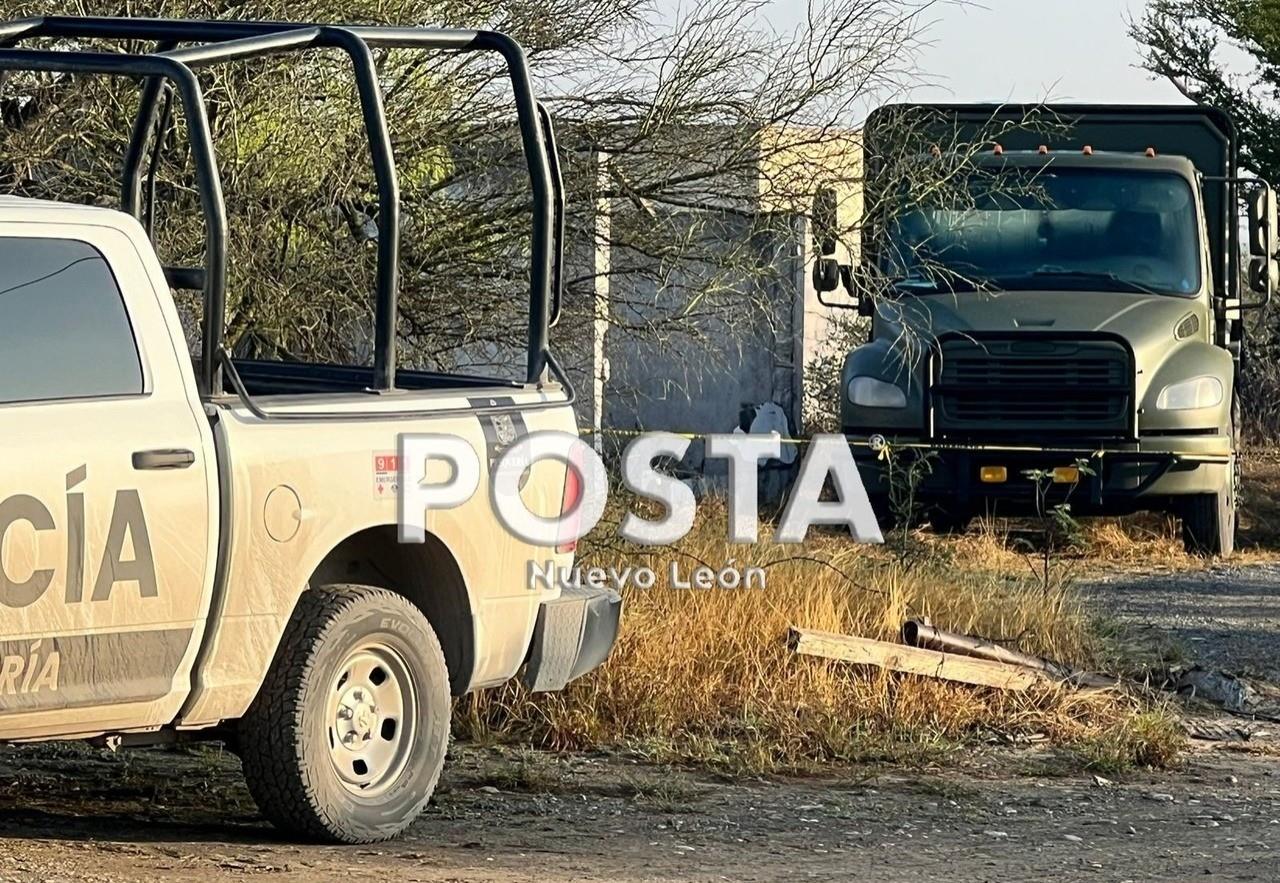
347,737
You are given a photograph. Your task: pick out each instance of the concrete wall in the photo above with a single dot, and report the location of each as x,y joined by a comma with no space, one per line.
749,343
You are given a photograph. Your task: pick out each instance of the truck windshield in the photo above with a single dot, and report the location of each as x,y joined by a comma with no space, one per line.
1051,229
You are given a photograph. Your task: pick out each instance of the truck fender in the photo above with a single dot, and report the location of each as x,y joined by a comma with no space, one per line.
427,574
882,360
1195,358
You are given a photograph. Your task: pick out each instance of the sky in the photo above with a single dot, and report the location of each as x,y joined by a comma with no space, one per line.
1024,50
1027,50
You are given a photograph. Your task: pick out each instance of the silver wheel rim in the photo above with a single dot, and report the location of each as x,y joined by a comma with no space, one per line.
371,713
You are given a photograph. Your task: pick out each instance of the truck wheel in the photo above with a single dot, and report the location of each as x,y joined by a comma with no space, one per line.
1209,521
347,736
948,521
882,508
1209,524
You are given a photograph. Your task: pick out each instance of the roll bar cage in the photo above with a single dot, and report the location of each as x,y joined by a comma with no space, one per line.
183,46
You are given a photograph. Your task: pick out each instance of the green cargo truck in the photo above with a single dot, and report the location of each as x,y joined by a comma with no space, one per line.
1065,323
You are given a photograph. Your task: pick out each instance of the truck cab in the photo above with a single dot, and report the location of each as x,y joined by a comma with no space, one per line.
1061,323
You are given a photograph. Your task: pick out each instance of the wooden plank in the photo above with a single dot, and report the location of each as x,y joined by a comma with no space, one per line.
913,660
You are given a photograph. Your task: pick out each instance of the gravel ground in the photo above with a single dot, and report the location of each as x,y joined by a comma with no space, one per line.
74,813
181,816
1226,617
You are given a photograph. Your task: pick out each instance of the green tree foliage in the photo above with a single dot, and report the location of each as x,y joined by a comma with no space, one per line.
1226,53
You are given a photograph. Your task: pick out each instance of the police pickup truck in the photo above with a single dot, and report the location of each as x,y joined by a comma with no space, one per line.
200,546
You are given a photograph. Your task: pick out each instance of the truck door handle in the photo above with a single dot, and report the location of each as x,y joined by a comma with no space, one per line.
169,458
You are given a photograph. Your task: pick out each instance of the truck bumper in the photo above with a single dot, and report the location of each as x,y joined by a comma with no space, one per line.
1125,478
572,635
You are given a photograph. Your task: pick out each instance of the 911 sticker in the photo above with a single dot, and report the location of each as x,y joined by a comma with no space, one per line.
386,475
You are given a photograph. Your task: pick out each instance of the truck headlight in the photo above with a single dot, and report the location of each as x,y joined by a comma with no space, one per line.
1198,392
868,392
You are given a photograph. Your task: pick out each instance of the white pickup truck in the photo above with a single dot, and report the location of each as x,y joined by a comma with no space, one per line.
207,548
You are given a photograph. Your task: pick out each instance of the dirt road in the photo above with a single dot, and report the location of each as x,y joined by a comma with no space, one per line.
1225,617
74,813
183,816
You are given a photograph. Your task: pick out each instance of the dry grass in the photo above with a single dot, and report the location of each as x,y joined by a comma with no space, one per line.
1138,542
705,675
1260,520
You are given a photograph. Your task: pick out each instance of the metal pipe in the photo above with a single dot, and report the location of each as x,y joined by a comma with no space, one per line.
262,38
13,31
922,633
384,170
244,48
188,30
209,183
182,30
535,150
557,186
153,166
143,124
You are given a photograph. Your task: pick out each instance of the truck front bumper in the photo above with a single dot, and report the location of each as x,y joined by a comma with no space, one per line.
572,635
1117,478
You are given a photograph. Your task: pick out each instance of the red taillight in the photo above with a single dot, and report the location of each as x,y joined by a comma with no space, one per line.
569,508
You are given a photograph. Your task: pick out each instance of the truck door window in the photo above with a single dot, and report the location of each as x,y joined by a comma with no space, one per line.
1101,230
64,332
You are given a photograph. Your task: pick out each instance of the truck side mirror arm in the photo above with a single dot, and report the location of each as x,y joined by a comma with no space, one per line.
842,275
1264,237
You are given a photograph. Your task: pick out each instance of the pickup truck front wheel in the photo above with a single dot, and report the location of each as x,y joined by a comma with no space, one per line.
347,737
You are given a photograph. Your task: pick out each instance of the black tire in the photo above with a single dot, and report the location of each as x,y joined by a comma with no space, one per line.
948,521
883,510
1209,524
289,743
1210,521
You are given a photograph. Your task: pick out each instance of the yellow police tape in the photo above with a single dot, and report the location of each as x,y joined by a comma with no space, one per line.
883,447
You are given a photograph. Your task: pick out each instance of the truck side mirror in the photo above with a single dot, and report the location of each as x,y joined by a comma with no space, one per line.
827,271
826,274
826,222
1264,275
1263,241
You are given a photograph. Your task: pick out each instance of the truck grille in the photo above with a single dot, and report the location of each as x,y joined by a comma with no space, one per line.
1078,387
